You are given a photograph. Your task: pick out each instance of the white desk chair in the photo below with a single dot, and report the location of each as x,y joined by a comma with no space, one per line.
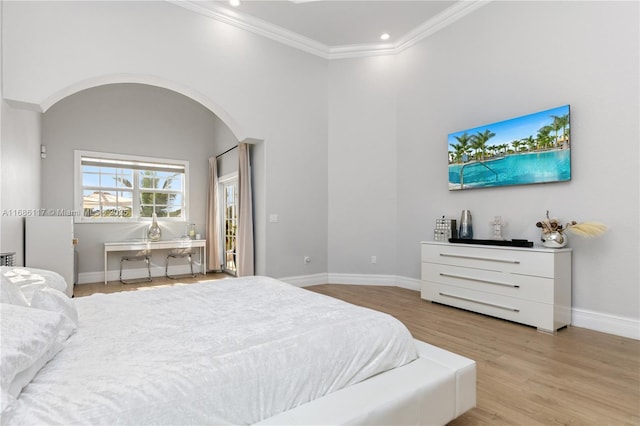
179,254
142,255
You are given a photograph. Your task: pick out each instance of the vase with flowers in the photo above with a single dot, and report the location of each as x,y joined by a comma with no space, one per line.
554,235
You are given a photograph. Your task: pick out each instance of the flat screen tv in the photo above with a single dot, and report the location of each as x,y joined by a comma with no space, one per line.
534,148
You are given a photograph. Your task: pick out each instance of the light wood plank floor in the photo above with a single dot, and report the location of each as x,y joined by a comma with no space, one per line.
81,290
524,377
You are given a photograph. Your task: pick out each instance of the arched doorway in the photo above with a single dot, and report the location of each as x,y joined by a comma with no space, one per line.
80,116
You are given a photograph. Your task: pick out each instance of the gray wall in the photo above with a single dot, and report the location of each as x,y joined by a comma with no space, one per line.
128,119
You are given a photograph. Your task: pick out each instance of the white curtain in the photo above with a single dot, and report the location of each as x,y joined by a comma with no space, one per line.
212,226
244,244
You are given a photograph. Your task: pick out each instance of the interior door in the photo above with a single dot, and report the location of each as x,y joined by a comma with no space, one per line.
230,224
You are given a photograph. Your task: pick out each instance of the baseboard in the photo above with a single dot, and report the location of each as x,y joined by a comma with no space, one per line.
362,279
606,323
409,283
382,280
90,277
353,279
137,272
306,280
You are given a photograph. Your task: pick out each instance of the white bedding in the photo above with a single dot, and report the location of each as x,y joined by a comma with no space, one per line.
233,351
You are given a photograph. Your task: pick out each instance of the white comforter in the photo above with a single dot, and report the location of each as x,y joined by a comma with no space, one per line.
232,351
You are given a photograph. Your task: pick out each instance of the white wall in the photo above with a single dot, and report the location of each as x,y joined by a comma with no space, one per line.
20,180
509,59
362,166
504,60
259,88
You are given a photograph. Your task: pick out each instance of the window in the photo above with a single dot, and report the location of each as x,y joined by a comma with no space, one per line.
229,188
116,187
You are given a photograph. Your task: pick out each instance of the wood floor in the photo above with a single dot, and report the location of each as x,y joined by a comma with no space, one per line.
81,290
524,377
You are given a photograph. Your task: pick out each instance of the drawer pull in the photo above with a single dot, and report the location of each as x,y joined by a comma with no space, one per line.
479,280
493,305
491,259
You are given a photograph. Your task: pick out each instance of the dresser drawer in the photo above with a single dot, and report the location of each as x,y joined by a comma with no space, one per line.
540,315
516,261
528,287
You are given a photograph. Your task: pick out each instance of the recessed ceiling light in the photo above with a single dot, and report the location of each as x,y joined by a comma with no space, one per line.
385,36
234,3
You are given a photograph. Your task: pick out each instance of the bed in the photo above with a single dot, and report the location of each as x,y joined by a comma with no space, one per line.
251,350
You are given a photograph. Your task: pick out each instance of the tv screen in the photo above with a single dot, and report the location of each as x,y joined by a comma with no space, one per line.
534,148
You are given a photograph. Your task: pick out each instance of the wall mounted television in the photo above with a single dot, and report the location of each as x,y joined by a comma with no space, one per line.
534,148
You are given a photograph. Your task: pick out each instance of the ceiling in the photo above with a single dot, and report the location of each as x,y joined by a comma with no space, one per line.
338,23
338,28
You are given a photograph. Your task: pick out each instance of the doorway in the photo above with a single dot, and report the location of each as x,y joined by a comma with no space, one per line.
229,189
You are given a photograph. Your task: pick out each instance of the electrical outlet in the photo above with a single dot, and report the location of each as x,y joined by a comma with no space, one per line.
374,259
307,259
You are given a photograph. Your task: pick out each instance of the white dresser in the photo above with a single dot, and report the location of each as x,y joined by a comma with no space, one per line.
527,285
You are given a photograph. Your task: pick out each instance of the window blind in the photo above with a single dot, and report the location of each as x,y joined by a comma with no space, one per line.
132,164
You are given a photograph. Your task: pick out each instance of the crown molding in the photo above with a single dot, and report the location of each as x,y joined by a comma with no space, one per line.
256,26
442,20
295,40
360,50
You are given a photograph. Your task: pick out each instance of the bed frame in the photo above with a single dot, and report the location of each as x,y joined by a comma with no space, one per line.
434,389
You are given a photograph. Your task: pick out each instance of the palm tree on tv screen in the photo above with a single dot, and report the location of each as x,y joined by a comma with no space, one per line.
462,147
560,123
479,143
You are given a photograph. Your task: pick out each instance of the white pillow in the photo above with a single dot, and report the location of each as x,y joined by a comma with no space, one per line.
30,279
10,293
40,289
53,300
30,338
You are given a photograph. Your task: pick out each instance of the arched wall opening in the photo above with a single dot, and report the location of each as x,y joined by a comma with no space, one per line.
195,95
138,116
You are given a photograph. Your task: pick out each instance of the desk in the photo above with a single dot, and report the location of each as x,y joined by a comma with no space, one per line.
137,245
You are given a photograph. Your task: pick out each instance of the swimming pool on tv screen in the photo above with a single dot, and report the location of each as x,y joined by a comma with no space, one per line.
515,169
